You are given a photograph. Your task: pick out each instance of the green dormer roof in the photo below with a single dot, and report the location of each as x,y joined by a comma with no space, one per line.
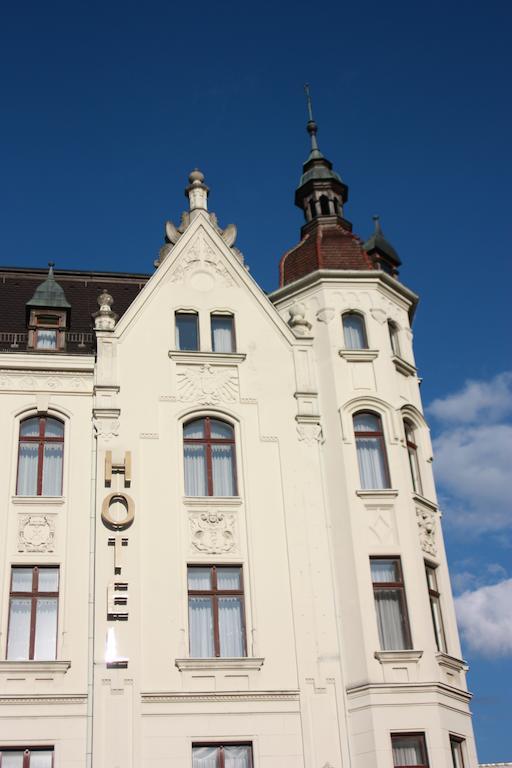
49,293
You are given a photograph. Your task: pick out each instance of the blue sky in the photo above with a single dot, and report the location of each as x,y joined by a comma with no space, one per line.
106,107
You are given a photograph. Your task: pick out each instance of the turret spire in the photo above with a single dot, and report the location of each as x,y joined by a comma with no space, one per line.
311,127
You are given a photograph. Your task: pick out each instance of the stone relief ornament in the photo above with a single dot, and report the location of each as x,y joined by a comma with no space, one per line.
310,433
427,530
201,260
44,382
36,533
207,384
107,428
213,532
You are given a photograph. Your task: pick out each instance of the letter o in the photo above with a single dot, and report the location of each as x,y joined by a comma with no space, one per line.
108,520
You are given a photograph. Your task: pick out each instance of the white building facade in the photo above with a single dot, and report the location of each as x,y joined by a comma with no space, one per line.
221,543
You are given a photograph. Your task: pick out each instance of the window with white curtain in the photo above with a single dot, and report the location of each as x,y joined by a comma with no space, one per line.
409,750
390,604
412,450
187,331
209,458
223,333
435,607
40,457
33,610
216,611
394,338
354,331
26,758
371,451
221,756
457,753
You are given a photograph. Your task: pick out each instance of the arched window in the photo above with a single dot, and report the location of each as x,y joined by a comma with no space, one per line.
40,455
209,456
354,331
371,451
393,338
412,450
312,208
324,205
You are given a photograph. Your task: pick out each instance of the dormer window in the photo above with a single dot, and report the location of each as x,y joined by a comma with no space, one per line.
47,331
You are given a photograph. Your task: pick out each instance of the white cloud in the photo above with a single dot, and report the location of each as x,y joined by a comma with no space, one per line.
485,619
477,401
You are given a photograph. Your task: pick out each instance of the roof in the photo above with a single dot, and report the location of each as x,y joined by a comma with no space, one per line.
81,288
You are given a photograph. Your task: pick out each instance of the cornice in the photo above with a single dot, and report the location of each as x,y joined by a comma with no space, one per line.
219,664
48,363
406,689
201,358
191,698
358,355
375,493
34,667
403,367
37,700
392,656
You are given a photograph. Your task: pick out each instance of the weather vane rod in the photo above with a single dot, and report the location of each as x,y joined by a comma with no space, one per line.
308,99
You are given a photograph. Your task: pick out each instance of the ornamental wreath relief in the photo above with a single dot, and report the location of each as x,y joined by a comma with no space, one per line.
213,532
36,533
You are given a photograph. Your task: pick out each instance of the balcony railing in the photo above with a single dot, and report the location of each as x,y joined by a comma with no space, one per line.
14,341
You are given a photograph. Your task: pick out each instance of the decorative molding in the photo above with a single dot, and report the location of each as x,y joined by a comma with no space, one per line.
358,355
213,532
46,381
39,501
212,501
376,493
215,358
106,428
403,367
451,662
297,321
325,315
394,656
407,689
269,439
427,530
34,699
200,266
232,664
206,697
26,668
426,502
207,384
36,533
310,432
149,435
379,315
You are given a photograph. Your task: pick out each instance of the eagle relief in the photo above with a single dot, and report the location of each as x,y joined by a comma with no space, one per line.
207,384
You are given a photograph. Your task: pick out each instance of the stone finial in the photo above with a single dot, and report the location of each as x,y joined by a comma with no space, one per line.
297,321
105,318
197,191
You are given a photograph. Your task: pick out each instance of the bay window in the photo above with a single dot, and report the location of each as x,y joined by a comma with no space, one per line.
354,331
33,608
40,457
409,750
390,604
216,611
371,451
209,458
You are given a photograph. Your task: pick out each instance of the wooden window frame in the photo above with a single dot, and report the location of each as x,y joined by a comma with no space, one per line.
358,434
349,313
214,593
27,753
220,747
435,597
41,440
34,595
41,319
208,441
412,453
399,586
191,313
420,735
459,741
233,331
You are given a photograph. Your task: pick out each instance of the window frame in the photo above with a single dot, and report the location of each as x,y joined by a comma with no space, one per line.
459,741
190,313
420,735
41,320
360,435
394,339
399,586
435,597
27,753
214,593
207,441
34,595
413,455
41,441
360,315
220,745
233,332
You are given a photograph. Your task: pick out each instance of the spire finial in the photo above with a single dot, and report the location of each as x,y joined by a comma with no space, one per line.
51,265
197,191
311,127
378,227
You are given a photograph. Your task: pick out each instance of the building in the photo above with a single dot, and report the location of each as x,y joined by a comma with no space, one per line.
221,544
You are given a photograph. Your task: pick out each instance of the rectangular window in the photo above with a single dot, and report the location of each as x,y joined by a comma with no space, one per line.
221,756
409,750
187,331
33,608
390,604
456,749
223,333
216,611
26,758
435,607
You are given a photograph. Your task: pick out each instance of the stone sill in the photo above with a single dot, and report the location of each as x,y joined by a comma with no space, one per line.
38,500
403,367
392,656
426,502
455,664
224,358
358,355
26,668
371,493
212,501
227,663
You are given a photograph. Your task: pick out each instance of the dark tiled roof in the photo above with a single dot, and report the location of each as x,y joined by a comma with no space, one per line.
17,286
323,247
